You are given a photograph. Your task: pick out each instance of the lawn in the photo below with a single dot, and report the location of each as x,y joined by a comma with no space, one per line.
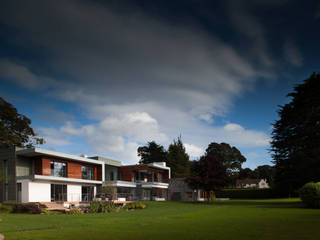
243,219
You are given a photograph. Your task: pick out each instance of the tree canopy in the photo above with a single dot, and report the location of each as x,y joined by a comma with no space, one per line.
178,159
229,156
152,152
15,129
296,137
208,174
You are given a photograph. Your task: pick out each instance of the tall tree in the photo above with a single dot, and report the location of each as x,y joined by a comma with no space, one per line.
296,137
152,152
178,159
229,156
15,129
208,174
245,173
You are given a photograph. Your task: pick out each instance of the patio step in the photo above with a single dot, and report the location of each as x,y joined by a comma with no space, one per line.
53,206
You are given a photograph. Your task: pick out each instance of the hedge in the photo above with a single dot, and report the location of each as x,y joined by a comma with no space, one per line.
310,194
245,193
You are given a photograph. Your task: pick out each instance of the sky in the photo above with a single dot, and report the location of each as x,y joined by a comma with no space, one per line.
104,77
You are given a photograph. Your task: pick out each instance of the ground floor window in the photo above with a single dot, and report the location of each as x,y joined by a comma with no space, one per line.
146,193
128,193
87,193
58,193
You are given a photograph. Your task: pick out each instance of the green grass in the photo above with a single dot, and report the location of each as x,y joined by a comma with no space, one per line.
243,219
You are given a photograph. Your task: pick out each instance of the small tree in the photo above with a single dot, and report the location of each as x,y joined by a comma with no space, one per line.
178,159
15,129
153,152
110,192
208,174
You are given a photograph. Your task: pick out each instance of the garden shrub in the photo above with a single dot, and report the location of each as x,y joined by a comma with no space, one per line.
245,193
5,208
103,207
32,208
135,205
51,212
310,194
74,211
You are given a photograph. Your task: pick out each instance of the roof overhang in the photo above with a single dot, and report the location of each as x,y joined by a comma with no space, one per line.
34,152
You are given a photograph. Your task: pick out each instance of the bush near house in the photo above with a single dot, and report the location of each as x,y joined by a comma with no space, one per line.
74,211
245,193
31,208
5,208
135,205
310,194
102,207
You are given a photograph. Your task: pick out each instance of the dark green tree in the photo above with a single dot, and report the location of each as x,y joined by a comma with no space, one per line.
152,152
15,129
296,137
178,159
245,173
208,174
229,156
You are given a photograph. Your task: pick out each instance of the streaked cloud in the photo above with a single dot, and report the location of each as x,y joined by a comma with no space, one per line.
292,54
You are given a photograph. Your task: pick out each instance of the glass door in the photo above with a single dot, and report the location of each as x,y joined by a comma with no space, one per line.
58,193
87,193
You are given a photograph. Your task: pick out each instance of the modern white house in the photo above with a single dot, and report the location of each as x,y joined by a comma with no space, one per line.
40,175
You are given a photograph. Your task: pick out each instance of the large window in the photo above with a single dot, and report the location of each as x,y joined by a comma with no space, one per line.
58,193
87,173
58,169
87,193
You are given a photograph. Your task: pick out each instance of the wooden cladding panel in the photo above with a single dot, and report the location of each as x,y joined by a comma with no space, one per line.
127,172
46,168
43,167
38,166
74,170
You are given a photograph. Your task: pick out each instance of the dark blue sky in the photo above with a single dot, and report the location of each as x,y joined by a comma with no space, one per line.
104,78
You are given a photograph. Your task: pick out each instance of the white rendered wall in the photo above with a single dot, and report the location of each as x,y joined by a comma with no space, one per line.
39,192
74,193
24,190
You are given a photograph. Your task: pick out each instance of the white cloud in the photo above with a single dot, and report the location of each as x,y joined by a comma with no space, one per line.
119,135
233,127
53,137
193,151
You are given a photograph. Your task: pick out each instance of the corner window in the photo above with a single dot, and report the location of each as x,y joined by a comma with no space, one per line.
87,173
58,169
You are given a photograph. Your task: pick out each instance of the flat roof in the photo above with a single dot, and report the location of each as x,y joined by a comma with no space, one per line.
107,161
33,152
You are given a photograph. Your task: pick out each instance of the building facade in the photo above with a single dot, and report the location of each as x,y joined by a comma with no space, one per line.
179,190
40,175
141,182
